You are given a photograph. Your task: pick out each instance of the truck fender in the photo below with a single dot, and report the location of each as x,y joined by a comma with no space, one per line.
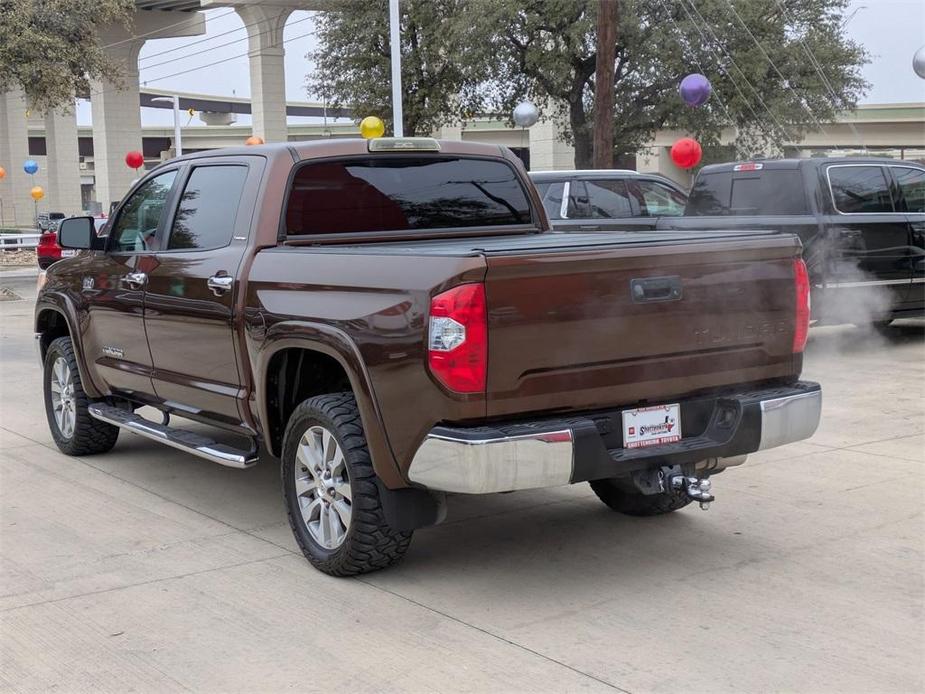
60,305
335,343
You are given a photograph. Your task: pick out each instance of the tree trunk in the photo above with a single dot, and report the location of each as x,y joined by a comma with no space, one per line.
584,142
603,84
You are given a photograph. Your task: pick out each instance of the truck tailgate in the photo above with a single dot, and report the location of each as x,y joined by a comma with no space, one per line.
566,333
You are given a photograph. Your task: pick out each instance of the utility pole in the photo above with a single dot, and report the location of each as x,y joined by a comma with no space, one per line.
603,83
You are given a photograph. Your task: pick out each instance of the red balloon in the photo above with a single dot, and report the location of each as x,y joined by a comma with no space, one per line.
686,152
134,160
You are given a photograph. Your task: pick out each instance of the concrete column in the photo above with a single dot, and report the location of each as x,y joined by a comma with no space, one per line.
265,26
116,108
18,209
548,152
63,167
116,125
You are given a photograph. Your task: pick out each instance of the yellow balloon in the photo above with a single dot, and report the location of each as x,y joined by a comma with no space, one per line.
37,193
371,127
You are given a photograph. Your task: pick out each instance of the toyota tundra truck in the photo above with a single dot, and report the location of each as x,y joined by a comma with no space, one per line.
394,321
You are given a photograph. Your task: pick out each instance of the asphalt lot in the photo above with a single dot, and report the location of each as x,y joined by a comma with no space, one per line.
148,570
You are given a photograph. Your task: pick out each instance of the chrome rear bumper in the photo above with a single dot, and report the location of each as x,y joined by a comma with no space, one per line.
552,453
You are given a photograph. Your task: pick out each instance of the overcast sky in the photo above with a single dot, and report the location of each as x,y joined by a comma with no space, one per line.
891,31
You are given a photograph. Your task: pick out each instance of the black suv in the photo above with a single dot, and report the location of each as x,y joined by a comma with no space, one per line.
607,199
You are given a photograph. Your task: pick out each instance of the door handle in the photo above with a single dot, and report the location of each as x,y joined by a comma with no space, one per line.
656,289
219,284
134,280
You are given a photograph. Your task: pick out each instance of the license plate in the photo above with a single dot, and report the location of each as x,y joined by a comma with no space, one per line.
651,426
68,252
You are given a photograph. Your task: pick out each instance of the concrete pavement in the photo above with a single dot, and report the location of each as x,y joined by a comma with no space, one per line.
147,570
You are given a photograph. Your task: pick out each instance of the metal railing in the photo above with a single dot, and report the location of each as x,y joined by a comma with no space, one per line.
12,242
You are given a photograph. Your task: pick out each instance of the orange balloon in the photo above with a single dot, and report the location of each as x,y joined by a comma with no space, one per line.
254,140
37,193
2,173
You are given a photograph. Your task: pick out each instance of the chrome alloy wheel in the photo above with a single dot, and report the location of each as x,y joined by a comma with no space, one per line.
322,487
63,402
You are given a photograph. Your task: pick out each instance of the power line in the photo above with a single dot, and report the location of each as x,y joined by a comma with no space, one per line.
716,40
690,50
212,48
825,80
732,79
201,67
215,36
786,82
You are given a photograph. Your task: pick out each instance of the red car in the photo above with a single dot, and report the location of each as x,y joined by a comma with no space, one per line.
48,250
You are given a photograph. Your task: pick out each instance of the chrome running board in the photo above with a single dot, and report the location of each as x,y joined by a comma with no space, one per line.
188,441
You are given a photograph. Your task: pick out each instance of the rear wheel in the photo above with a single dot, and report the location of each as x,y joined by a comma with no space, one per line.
331,493
634,503
75,432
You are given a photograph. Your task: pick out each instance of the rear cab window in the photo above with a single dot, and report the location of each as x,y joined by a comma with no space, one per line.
405,193
762,192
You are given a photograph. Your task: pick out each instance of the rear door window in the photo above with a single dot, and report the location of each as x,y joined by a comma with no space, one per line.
911,184
860,189
405,193
658,200
206,214
551,194
608,199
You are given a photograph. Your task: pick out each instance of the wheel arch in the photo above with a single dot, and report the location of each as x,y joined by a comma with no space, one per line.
307,352
53,320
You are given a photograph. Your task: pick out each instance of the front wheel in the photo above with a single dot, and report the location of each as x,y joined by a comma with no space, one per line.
634,503
330,489
75,432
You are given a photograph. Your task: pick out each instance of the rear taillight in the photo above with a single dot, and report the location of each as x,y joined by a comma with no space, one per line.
457,338
48,245
801,287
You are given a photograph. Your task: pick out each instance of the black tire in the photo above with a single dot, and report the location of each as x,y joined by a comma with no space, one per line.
90,435
638,504
370,543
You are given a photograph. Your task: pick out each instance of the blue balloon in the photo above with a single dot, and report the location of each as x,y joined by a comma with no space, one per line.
695,89
30,166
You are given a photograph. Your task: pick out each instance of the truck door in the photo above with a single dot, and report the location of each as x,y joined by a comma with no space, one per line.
868,265
910,182
114,335
192,286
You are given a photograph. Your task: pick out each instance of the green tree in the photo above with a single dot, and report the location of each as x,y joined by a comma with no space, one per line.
442,64
50,50
778,67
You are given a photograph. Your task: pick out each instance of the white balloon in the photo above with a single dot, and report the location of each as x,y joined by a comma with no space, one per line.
918,62
526,114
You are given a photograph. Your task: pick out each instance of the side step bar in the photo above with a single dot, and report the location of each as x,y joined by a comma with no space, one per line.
188,441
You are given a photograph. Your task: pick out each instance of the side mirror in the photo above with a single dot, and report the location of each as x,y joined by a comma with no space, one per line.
76,232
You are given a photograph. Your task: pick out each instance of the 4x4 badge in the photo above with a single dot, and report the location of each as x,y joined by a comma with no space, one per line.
88,283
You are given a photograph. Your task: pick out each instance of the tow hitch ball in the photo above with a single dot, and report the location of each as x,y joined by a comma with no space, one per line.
696,488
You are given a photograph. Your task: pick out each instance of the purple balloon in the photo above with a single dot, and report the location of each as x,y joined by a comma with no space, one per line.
695,89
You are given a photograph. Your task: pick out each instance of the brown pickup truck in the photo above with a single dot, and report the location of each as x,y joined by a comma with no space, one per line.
394,320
